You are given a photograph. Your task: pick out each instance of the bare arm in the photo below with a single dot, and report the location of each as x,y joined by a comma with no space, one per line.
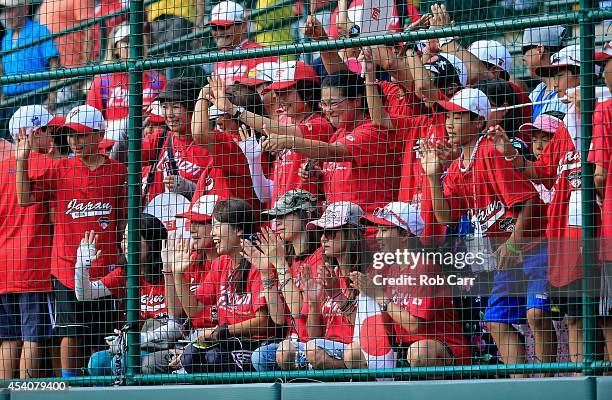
314,321
600,178
376,107
409,322
200,124
25,197
322,151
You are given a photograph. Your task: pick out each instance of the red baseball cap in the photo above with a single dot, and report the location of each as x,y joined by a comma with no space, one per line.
606,53
201,209
290,73
57,121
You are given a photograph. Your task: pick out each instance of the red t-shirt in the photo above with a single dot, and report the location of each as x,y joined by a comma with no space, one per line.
191,159
234,69
297,268
86,200
194,277
435,306
152,297
490,188
414,184
109,93
372,178
601,155
338,326
26,236
288,162
219,289
560,168
398,105
227,174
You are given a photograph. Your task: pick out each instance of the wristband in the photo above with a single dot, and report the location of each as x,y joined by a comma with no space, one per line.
284,283
512,249
268,283
511,158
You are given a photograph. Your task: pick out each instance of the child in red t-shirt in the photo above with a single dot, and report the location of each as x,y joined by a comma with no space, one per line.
235,287
89,193
427,326
507,215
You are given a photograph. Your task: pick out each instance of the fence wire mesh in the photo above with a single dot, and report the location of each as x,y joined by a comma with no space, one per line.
221,192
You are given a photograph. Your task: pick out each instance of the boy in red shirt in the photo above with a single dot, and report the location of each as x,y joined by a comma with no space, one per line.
505,208
25,258
89,193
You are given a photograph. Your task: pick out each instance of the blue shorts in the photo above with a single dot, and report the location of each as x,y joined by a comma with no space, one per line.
332,348
517,290
25,316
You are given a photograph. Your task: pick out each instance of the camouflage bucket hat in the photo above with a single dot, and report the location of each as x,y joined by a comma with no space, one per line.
292,201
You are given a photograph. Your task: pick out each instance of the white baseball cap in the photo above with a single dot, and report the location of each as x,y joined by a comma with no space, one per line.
566,57
400,214
226,13
121,33
201,209
468,99
289,73
492,52
337,215
606,53
214,112
85,119
29,117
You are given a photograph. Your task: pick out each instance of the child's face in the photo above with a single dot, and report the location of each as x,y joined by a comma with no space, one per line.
84,144
565,79
461,128
539,140
607,74
178,118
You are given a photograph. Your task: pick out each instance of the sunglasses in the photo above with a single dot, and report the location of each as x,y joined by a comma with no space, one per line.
383,212
218,28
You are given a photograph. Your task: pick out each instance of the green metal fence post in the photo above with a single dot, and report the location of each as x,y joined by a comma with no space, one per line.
134,181
589,249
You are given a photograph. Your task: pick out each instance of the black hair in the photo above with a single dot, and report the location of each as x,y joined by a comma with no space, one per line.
309,92
247,97
350,85
239,214
501,92
153,233
313,236
60,139
548,49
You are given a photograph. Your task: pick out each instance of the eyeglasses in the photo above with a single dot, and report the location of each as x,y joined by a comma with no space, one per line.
325,105
383,212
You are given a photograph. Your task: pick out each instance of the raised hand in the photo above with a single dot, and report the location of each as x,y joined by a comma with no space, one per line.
218,94
314,29
421,23
368,64
365,285
181,255
24,145
313,287
272,247
431,159
501,141
256,258
87,253
440,17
